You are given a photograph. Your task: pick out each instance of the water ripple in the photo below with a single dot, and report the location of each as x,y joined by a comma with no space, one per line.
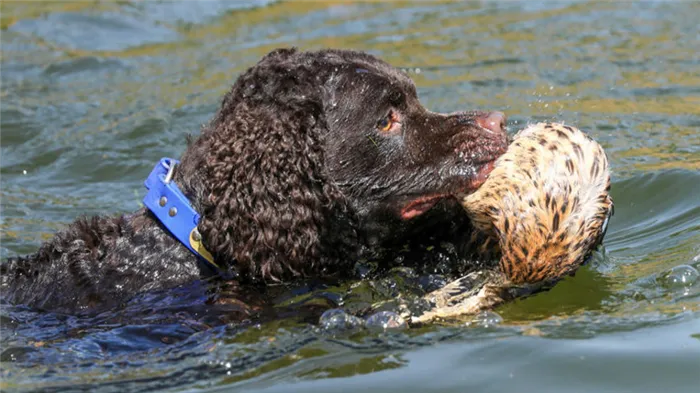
93,94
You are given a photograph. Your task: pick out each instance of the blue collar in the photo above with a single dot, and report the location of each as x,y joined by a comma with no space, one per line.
165,200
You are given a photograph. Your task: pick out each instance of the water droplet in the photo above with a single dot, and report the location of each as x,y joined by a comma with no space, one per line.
679,277
485,319
337,319
385,320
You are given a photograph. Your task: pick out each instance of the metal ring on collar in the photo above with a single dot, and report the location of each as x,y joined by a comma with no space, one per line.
171,171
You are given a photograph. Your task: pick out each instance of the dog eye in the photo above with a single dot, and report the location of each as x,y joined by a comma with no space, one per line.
387,123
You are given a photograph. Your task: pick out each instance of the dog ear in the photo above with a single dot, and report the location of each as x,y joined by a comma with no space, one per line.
270,205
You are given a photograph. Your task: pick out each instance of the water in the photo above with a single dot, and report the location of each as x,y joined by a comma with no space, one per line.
92,95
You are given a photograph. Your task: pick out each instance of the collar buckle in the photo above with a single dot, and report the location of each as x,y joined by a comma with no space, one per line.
172,208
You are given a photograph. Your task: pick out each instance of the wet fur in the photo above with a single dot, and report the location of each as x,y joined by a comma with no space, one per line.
292,180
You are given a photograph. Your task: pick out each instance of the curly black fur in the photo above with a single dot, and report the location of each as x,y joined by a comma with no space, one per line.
292,178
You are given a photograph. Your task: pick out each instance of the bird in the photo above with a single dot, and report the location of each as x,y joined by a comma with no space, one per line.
545,206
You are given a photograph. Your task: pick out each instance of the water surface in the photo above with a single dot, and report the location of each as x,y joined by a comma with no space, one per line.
93,94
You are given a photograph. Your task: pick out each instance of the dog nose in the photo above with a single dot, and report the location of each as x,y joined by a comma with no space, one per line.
493,121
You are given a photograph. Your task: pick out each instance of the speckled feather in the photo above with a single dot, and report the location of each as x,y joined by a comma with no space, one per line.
547,201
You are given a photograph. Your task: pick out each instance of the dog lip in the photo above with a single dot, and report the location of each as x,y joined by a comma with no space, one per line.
483,173
417,206
477,178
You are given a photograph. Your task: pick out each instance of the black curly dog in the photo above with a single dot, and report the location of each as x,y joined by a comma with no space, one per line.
312,158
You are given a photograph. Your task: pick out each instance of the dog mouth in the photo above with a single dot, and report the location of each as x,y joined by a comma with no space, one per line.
466,185
474,159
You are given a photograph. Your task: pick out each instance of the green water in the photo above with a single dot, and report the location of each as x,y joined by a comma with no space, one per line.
93,94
